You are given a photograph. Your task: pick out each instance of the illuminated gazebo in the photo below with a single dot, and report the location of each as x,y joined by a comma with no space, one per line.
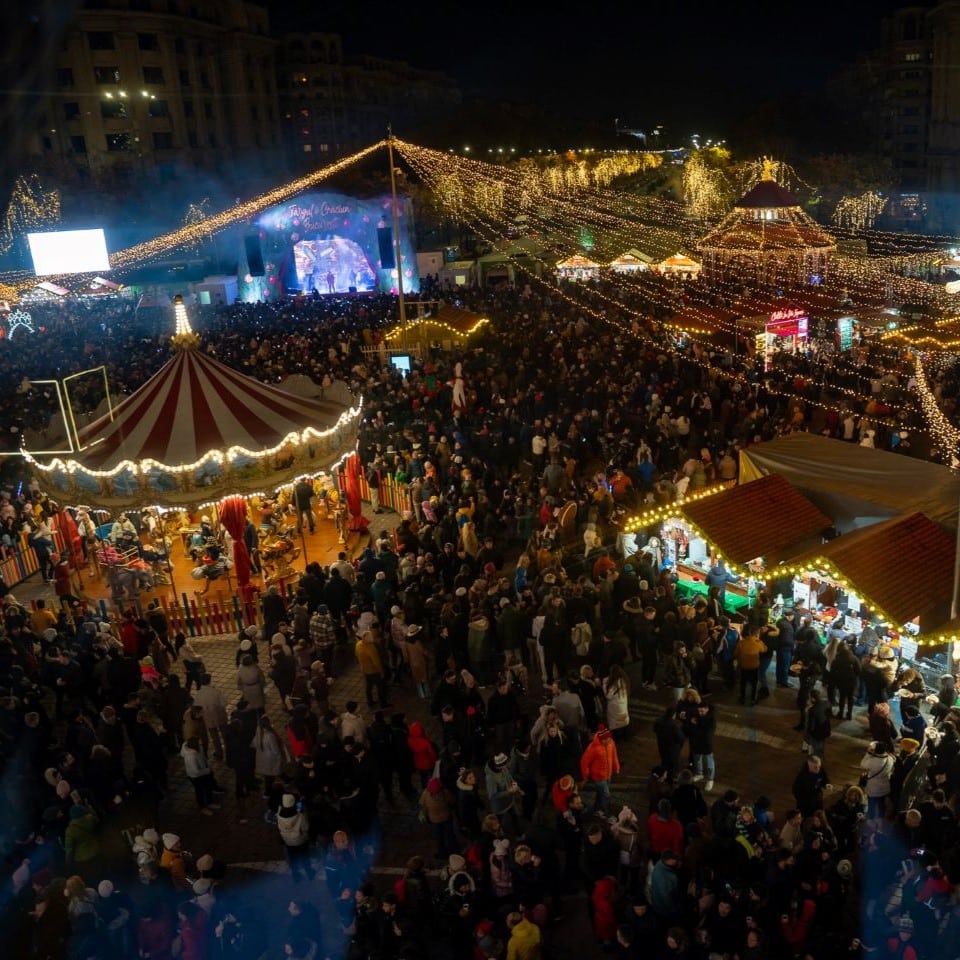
195,432
767,238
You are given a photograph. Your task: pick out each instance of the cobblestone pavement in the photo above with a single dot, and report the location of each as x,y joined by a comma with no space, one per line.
757,752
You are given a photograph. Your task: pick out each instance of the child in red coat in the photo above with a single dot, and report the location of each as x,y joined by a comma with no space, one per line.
604,910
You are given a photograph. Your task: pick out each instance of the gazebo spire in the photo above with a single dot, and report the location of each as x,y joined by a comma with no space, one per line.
767,169
184,338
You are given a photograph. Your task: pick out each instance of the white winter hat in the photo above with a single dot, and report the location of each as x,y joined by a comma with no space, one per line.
170,840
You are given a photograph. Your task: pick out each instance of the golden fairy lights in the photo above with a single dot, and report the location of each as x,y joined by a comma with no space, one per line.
434,322
30,206
859,213
665,511
945,436
193,233
220,457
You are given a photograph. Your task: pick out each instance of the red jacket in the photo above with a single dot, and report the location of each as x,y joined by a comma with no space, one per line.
424,752
600,760
561,798
664,834
604,914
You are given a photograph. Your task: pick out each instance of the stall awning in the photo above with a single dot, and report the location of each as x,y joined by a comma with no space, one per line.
856,484
902,568
767,518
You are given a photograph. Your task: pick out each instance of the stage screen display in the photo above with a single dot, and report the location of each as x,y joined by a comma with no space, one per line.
68,251
324,244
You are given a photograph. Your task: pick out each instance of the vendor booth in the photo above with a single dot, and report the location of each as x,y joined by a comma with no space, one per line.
711,530
578,267
896,576
633,261
439,324
783,330
679,266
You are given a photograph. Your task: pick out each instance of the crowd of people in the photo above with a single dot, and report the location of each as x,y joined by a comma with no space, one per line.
517,658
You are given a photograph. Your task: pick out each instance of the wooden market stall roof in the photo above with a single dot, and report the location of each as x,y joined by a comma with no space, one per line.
449,321
767,518
577,261
902,568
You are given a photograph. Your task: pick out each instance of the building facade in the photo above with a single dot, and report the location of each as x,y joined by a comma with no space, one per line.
918,76
333,105
156,85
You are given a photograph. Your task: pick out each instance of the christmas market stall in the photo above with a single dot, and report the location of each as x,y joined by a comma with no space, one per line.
895,576
631,261
438,324
578,267
678,266
745,530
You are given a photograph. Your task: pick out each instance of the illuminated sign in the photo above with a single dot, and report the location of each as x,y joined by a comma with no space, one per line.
795,313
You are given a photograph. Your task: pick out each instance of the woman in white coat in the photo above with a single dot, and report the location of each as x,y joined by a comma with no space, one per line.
616,690
875,769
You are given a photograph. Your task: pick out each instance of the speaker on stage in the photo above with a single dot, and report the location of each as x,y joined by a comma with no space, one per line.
254,254
385,242
351,289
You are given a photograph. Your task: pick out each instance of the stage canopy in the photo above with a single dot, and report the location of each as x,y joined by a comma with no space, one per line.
856,486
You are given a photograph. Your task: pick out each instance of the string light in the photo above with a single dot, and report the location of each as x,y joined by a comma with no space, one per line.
663,512
434,322
195,232
859,213
30,206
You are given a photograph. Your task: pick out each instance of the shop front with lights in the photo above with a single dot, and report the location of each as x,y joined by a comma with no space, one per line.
746,529
578,267
783,330
895,577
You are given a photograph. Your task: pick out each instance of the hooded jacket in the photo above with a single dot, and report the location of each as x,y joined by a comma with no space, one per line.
424,752
600,761
294,827
250,681
524,943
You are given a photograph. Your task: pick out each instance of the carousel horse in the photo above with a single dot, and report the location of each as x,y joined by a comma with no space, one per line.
212,568
276,557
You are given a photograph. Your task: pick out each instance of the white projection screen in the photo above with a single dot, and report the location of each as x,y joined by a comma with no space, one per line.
68,251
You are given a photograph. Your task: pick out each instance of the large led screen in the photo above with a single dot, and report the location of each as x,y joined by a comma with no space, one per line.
68,251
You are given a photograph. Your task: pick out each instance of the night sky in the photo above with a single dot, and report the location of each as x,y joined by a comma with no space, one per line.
680,64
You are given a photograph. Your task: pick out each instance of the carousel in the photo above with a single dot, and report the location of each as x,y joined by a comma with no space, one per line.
183,464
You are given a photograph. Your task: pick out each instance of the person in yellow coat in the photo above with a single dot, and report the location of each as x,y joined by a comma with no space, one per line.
370,659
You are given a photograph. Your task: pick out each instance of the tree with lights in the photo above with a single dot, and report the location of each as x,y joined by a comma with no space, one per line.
30,207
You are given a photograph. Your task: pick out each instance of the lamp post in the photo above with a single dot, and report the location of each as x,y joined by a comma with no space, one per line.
396,239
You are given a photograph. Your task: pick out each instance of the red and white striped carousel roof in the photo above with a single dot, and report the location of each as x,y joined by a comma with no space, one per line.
194,405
